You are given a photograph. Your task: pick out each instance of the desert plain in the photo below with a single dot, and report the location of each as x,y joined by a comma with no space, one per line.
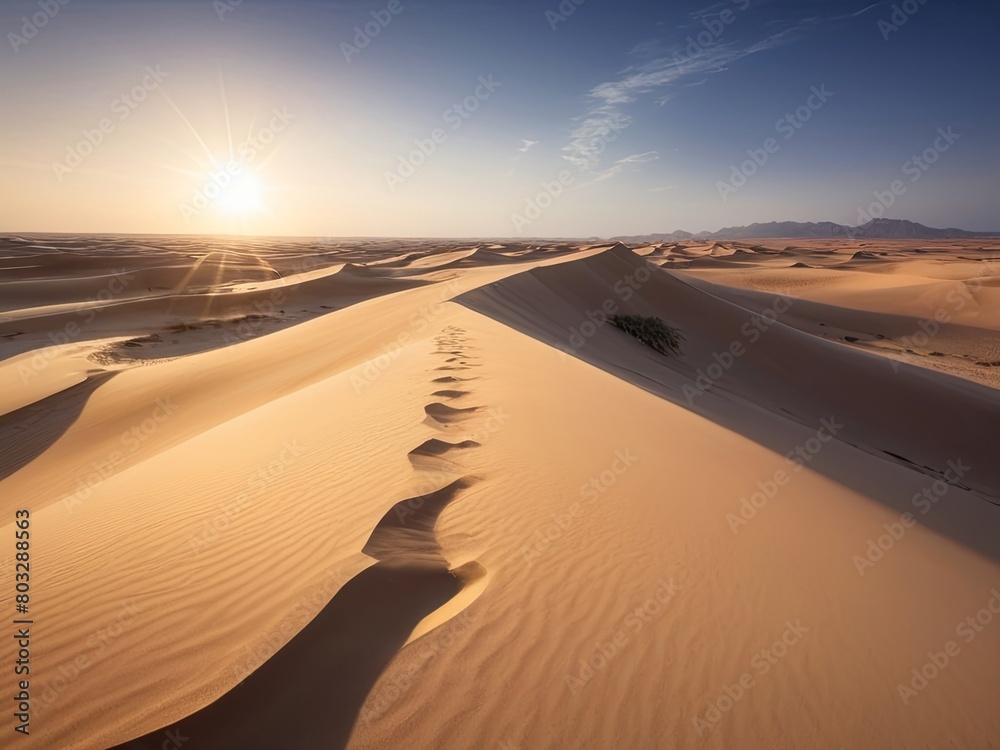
389,493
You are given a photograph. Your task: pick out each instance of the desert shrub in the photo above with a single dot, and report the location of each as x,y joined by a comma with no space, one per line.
651,331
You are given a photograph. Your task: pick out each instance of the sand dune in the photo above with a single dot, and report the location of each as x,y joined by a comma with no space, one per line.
433,498
935,307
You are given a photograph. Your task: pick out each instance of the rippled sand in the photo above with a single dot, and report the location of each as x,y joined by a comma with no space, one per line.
390,493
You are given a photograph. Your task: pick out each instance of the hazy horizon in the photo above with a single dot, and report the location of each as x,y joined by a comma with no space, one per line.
222,235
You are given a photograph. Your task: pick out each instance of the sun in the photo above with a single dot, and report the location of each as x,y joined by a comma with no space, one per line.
244,196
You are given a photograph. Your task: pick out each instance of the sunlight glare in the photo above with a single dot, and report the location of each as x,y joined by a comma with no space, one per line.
244,196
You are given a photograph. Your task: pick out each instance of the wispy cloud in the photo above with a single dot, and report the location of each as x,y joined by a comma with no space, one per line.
865,10
526,145
619,166
663,72
607,117
639,158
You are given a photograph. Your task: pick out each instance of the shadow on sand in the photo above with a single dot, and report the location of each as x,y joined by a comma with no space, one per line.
310,693
31,430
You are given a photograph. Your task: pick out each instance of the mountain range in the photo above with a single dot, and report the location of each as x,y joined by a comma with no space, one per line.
883,229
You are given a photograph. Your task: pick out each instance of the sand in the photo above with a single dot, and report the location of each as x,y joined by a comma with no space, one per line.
386,493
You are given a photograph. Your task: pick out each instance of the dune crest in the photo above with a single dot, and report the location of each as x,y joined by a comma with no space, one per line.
433,476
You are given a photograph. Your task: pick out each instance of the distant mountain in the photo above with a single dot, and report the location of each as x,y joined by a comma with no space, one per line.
677,236
804,230
876,229
888,229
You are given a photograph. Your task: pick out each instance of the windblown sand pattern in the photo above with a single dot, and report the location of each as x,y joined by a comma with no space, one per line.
383,493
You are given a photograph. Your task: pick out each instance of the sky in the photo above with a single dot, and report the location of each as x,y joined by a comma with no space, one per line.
495,118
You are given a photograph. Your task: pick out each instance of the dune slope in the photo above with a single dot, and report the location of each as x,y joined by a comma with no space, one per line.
470,512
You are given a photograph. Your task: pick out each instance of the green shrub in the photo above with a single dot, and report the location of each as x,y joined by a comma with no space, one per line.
651,331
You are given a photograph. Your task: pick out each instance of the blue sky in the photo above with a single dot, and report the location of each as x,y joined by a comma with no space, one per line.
612,118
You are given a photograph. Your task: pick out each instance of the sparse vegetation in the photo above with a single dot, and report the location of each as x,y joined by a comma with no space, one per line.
651,331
